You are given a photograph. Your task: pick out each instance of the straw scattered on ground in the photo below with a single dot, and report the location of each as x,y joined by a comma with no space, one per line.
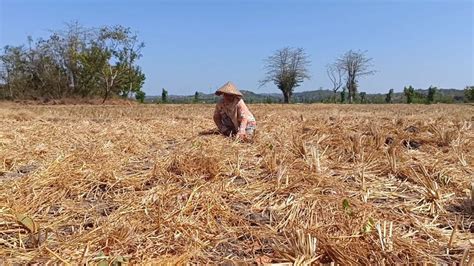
321,183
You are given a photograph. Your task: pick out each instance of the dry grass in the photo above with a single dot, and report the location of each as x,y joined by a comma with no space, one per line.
321,184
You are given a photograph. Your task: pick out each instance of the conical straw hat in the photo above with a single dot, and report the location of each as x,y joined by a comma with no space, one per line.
229,88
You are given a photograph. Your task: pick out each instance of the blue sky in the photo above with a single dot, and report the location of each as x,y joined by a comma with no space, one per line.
199,45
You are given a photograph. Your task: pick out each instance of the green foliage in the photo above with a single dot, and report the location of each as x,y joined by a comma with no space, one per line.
409,93
196,97
92,62
345,204
469,94
71,62
343,94
431,94
140,96
389,96
347,207
268,100
104,260
368,226
363,97
445,99
414,96
164,96
131,81
320,96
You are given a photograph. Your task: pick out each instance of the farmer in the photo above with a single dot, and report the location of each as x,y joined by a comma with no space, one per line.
232,116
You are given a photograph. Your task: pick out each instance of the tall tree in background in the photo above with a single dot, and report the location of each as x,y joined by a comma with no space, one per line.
286,68
343,94
92,61
431,94
126,47
123,45
196,97
409,93
164,96
334,73
70,43
363,97
389,96
140,96
354,64
14,74
469,94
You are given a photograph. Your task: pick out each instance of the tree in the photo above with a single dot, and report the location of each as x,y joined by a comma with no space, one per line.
65,46
469,94
409,93
109,75
93,61
140,96
354,65
132,81
164,96
286,68
14,66
334,73
431,94
389,96
343,94
123,45
196,97
363,97
75,61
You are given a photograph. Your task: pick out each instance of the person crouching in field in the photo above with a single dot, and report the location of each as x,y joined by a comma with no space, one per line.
232,116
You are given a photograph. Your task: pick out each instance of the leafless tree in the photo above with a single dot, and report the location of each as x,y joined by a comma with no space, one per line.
286,68
354,64
334,73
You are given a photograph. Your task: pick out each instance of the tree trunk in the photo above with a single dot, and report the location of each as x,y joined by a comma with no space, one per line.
8,94
72,82
351,88
109,83
286,97
105,96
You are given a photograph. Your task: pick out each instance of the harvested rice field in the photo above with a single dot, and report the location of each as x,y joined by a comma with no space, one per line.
320,184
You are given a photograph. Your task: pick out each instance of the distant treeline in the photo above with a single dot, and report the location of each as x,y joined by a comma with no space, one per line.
73,62
410,95
80,62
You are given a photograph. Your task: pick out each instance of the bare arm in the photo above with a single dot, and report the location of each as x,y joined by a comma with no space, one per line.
243,125
243,116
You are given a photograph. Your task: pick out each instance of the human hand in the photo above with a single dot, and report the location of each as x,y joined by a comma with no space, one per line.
241,136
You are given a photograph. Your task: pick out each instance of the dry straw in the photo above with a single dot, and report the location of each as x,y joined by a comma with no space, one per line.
323,184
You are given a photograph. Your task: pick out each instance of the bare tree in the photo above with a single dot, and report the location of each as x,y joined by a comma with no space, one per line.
355,64
335,75
286,68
